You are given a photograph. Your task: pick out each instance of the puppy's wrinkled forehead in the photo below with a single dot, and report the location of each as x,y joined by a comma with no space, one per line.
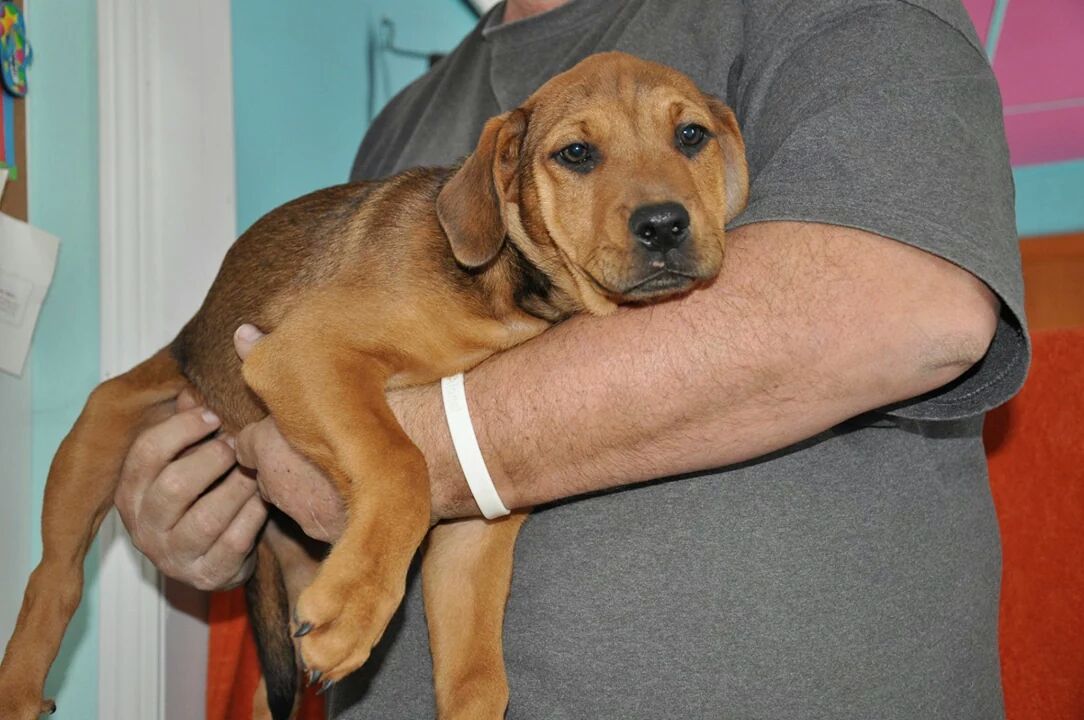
612,89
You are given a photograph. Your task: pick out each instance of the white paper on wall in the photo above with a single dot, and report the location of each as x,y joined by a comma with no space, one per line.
483,6
27,261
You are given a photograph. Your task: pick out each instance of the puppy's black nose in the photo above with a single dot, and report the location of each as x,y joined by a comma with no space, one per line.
660,227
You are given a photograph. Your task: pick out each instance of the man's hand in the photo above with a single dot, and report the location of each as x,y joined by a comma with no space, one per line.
199,536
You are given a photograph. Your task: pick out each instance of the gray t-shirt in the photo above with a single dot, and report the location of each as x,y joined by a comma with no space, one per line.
854,575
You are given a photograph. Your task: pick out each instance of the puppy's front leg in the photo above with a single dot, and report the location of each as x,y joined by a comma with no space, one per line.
329,403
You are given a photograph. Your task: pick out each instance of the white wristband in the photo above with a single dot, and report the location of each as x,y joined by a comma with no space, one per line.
466,447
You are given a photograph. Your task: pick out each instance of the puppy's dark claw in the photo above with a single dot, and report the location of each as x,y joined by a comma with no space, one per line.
303,629
314,676
49,707
325,687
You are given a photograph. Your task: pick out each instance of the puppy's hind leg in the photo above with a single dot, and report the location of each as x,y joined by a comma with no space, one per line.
466,575
78,493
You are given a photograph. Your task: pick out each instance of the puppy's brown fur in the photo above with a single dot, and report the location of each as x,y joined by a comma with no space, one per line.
379,285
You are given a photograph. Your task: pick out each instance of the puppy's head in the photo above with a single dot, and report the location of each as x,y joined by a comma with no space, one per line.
616,178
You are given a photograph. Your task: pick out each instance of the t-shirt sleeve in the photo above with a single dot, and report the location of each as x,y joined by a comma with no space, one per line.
888,119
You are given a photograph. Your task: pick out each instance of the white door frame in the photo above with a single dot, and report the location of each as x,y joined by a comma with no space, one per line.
168,213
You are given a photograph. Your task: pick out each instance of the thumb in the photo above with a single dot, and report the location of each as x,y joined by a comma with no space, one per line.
245,338
246,446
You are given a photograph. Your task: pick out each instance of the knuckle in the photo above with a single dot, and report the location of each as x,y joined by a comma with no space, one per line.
146,449
178,566
165,560
201,578
203,583
245,571
240,538
204,525
237,542
170,483
145,542
221,452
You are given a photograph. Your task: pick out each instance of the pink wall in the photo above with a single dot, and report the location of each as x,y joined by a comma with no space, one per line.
1038,58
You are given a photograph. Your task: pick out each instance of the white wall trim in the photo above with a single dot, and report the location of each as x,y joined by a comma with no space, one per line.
167,216
129,638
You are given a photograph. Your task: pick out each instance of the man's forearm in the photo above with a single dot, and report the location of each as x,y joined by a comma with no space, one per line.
807,326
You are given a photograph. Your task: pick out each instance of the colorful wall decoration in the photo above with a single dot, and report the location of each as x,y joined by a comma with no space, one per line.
1036,50
1037,55
15,57
7,132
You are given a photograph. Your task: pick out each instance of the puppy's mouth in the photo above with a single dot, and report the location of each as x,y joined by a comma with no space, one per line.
652,276
660,283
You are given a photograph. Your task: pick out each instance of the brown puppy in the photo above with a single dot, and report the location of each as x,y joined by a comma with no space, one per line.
611,184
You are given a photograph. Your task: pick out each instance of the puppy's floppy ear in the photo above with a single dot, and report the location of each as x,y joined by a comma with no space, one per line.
469,205
737,170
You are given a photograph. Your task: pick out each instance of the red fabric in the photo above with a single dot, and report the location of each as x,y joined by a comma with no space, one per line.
233,670
1036,449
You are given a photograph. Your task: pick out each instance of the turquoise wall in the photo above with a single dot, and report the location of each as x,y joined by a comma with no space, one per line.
63,137
301,86
1050,198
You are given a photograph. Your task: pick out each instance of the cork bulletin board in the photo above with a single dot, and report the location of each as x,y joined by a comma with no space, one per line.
14,201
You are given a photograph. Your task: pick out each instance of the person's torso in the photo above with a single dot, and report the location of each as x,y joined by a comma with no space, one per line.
678,598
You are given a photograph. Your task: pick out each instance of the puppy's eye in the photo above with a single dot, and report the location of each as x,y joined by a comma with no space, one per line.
690,137
577,156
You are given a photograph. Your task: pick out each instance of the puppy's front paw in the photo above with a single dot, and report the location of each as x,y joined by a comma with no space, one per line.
342,615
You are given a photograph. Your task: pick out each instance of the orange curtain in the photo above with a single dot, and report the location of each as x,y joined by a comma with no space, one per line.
1054,280
233,670
1036,449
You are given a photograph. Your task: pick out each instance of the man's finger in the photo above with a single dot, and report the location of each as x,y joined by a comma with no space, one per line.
245,338
180,484
211,516
252,440
242,575
156,447
235,543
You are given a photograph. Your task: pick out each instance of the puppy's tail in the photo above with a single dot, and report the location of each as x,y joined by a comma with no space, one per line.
269,613
78,493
